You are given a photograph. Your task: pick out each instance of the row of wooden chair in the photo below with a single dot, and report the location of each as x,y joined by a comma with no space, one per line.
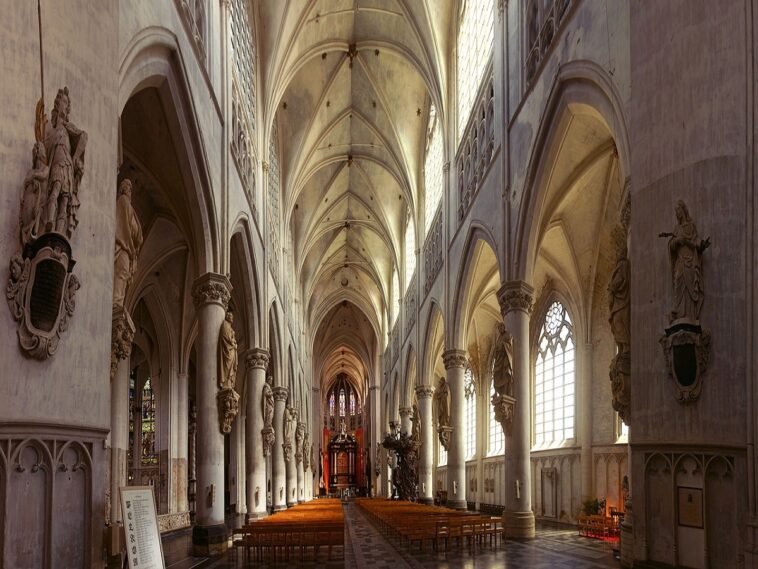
410,522
598,526
304,529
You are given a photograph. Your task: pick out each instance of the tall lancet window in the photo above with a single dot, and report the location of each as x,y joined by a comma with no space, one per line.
432,169
149,455
342,402
496,443
331,405
554,384
410,251
469,390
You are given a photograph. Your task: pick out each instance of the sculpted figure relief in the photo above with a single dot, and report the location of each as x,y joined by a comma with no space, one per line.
65,145
685,254
502,370
619,294
128,243
227,346
416,424
290,416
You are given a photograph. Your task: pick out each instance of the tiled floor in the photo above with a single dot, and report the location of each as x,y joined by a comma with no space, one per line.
366,547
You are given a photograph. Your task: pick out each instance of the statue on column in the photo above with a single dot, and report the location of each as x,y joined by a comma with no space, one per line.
619,308
228,399
128,243
503,402
415,424
686,344
290,417
442,400
267,409
299,439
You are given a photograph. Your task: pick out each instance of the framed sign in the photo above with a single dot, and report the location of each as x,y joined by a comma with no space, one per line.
144,549
690,506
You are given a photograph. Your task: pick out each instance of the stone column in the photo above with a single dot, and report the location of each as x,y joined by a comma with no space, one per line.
426,451
279,485
209,537
455,364
584,418
299,457
256,362
291,467
121,349
405,420
182,441
516,300
192,464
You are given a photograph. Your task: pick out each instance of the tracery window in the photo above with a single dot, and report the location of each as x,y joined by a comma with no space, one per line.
331,405
469,391
342,402
442,459
432,169
496,442
243,94
476,34
395,300
195,11
273,202
352,403
410,251
555,378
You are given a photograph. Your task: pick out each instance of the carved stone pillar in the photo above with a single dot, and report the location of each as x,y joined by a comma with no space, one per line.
405,420
299,458
121,349
279,483
256,362
516,301
182,452
455,364
211,294
426,452
289,458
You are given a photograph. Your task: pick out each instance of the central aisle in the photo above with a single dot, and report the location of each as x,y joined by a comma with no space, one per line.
367,547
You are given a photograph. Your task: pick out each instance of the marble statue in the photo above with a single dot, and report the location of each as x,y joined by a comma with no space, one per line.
290,416
685,255
227,344
35,193
128,243
502,370
442,396
64,145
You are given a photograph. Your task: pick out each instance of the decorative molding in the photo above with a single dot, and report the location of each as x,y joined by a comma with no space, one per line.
455,359
405,412
257,358
423,391
171,522
122,335
280,393
211,288
516,295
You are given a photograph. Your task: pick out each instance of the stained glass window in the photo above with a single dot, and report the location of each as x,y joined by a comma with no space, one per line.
331,405
475,40
554,378
149,455
469,390
496,443
433,181
352,403
342,402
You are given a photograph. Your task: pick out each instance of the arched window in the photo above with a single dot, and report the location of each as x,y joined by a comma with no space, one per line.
410,251
432,169
273,201
352,403
342,402
496,442
395,300
554,378
331,405
476,34
147,430
442,460
469,391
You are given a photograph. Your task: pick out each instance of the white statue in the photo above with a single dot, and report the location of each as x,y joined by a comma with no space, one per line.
128,243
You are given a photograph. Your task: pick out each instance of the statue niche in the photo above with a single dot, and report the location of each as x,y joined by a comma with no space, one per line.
42,287
686,344
227,397
267,408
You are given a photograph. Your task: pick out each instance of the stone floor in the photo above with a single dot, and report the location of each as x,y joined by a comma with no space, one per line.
366,547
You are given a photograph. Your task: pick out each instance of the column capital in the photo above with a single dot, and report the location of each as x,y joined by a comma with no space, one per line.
256,358
280,393
516,295
211,288
406,411
454,359
423,391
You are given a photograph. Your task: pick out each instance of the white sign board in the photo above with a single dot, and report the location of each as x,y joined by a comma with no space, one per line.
143,540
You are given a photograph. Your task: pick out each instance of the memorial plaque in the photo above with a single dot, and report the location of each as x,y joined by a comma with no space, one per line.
143,540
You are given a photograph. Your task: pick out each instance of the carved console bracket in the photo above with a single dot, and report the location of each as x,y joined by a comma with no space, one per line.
504,406
122,335
444,434
228,408
268,440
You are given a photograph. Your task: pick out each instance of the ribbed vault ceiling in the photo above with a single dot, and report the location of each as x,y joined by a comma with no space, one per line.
349,83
